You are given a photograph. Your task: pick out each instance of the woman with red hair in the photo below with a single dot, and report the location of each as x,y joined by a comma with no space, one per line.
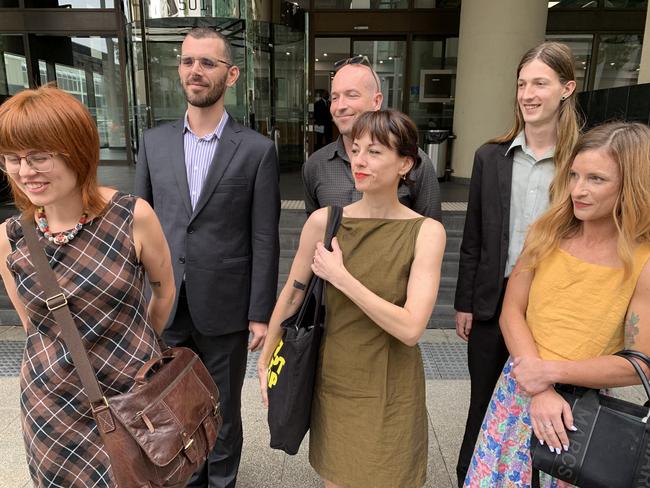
99,242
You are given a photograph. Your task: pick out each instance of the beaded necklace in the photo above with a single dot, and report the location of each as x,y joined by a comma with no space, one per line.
62,237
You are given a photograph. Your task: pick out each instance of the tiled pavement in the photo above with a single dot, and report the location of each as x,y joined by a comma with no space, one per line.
262,467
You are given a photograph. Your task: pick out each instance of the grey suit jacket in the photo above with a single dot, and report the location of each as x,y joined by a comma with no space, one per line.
227,249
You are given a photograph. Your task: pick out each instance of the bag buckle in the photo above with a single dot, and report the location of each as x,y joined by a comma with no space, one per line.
187,441
102,406
57,301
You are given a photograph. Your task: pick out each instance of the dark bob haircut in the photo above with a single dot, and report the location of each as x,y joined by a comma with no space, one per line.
392,129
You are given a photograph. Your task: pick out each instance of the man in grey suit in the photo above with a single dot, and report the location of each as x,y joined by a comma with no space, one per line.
214,186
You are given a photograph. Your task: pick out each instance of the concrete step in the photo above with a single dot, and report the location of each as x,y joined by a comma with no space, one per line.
453,220
443,317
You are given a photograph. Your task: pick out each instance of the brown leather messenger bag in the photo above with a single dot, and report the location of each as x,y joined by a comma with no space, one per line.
160,432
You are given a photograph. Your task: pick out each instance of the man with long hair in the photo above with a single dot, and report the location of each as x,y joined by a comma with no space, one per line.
509,189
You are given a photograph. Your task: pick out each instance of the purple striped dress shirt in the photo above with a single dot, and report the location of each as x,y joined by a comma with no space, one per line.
199,153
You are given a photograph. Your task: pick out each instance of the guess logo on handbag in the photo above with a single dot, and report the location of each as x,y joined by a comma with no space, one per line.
275,367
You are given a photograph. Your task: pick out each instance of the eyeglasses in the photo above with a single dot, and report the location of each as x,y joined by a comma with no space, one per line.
40,162
205,63
358,59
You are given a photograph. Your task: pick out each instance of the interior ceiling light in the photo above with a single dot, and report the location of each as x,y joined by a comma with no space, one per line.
325,55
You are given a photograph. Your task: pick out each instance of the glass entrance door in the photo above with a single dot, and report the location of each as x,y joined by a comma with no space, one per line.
89,69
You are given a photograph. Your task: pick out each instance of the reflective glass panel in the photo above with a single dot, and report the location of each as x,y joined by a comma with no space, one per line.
618,60
632,4
260,93
573,4
581,47
327,50
360,4
69,3
433,82
289,95
88,68
388,59
9,4
13,66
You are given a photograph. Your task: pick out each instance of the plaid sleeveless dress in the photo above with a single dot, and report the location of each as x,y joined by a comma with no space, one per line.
102,278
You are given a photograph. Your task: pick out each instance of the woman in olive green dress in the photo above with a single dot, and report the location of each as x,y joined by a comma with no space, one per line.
369,421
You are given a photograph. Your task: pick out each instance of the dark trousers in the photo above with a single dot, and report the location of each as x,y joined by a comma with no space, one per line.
486,356
225,358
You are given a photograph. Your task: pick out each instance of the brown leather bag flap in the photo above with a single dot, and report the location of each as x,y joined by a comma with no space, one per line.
165,412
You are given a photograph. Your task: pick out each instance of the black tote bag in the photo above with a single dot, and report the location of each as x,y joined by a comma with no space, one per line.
611,447
293,365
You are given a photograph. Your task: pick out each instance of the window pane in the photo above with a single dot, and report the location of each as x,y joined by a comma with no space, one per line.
70,3
618,63
433,79
388,60
581,47
89,69
573,4
15,69
360,4
289,89
633,4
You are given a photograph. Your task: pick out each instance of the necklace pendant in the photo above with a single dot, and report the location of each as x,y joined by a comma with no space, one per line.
61,239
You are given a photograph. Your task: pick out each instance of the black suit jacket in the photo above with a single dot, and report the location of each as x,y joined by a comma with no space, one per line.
484,249
227,248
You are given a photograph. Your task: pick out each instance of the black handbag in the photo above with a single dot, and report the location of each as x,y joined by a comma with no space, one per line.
292,369
611,448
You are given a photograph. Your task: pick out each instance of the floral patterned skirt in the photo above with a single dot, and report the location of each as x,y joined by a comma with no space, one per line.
502,453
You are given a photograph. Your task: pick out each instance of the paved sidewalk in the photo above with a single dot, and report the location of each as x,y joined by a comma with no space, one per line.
261,466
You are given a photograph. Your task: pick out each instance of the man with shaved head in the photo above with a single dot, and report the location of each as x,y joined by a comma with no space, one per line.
327,175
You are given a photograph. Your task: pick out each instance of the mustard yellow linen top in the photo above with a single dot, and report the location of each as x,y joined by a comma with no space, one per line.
576,310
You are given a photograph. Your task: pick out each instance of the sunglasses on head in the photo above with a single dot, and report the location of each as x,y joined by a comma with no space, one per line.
358,59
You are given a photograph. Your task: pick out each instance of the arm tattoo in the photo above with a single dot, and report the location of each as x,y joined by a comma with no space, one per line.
631,329
155,284
298,285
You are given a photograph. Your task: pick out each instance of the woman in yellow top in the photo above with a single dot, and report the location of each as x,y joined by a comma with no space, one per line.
579,293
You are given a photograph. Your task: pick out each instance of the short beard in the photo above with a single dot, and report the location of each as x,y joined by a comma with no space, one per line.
210,98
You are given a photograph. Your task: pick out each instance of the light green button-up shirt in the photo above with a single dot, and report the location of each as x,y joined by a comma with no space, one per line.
531,179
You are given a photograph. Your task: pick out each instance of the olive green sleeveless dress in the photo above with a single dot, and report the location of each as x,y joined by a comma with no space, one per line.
369,420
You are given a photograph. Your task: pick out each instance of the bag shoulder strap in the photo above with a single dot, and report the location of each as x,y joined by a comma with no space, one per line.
58,304
315,287
334,216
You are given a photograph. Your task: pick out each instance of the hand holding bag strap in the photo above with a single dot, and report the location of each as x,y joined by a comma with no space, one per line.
335,213
58,305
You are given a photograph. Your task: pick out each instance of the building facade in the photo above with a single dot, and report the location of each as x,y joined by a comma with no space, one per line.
120,57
